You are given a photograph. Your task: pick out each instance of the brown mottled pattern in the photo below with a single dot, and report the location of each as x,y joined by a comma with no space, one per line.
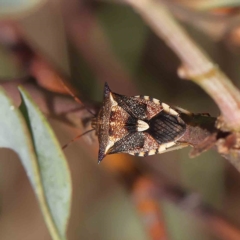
118,119
128,143
103,125
152,108
149,144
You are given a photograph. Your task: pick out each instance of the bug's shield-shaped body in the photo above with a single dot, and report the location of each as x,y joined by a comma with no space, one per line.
137,125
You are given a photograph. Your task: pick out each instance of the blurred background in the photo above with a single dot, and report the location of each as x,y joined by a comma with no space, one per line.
87,43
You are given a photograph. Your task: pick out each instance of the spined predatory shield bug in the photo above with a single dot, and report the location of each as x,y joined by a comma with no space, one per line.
140,125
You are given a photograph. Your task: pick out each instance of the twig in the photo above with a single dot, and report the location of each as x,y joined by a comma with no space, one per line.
217,26
196,65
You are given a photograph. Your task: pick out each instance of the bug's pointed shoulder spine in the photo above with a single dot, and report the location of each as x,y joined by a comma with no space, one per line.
101,155
107,90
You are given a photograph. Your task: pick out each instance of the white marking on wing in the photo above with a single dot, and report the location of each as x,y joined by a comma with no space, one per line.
142,126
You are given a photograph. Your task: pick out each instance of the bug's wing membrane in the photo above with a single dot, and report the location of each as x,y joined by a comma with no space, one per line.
130,142
132,106
166,128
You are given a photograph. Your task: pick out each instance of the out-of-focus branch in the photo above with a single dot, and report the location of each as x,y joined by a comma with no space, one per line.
195,13
196,65
204,5
217,26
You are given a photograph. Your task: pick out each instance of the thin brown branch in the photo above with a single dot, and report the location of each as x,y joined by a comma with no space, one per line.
204,5
196,64
217,26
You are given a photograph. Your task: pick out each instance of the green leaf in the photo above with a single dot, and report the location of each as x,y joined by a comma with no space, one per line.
45,165
13,7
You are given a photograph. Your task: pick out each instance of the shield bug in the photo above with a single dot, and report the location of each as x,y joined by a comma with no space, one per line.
139,125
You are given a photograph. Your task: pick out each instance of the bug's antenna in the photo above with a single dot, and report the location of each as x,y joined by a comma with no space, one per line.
77,137
76,98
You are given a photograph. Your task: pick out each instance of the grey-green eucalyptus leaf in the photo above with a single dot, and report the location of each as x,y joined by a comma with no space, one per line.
10,8
53,168
43,161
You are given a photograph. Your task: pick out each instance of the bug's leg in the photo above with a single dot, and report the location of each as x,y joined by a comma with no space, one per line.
203,114
177,146
182,110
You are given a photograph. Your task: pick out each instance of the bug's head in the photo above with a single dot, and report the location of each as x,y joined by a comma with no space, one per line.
102,122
